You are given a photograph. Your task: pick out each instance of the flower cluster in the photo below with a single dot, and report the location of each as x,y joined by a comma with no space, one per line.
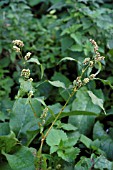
17,45
30,94
88,63
17,49
27,56
98,57
25,73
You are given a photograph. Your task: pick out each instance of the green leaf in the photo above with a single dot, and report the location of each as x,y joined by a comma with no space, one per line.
5,166
8,142
22,159
77,37
55,136
110,44
25,87
53,149
4,129
71,141
23,121
76,47
57,84
102,163
68,127
33,60
69,154
105,82
106,142
75,113
83,102
66,43
68,58
41,100
97,101
86,141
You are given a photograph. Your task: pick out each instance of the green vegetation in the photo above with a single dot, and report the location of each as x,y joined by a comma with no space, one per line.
56,82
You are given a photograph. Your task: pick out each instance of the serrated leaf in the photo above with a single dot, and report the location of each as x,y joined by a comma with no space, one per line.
97,101
22,159
55,136
53,149
69,154
71,141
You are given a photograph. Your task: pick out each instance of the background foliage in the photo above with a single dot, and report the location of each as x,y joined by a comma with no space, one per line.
53,30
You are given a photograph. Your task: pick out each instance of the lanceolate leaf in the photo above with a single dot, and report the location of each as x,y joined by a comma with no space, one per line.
34,60
71,113
96,100
69,58
57,84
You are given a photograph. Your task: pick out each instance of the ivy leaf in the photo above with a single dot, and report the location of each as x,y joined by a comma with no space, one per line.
97,101
22,159
55,136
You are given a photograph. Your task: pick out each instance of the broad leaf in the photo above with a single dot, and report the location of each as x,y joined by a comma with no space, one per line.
55,136
23,120
22,159
106,142
7,142
83,102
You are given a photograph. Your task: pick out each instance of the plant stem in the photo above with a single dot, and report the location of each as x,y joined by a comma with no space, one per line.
42,141
32,108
